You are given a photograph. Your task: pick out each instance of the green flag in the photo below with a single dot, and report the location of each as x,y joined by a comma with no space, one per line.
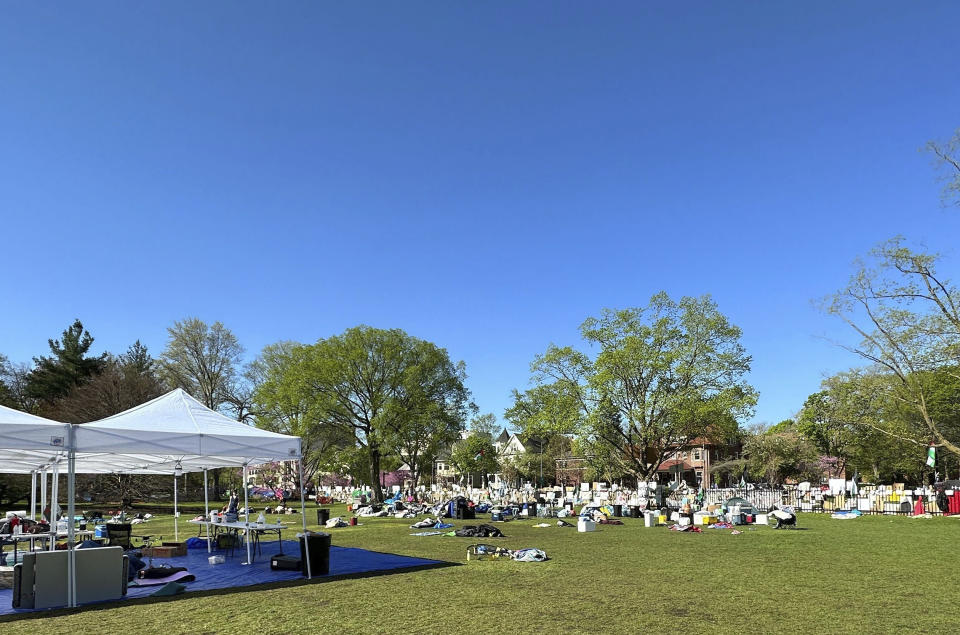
931,455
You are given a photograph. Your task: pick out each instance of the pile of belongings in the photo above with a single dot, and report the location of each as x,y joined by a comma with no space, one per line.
425,523
479,531
529,555
484,552
689,528
336,521
371,511
561,523
723,525
443,509
596,512
609,521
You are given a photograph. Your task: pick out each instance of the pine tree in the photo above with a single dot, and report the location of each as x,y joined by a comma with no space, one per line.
54,377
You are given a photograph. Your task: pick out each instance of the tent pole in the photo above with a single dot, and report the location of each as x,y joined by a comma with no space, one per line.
303,515
71,512
54,494
33,495
43,493
246,515
176,532
206,508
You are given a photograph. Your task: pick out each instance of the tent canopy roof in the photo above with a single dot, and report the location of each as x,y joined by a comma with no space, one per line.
178,424
23,431
151,438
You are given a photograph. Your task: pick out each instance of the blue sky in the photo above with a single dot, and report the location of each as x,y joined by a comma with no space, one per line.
482,175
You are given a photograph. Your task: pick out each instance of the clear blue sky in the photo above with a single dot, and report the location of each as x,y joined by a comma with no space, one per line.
482,175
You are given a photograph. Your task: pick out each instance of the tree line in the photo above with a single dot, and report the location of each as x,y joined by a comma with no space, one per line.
648,383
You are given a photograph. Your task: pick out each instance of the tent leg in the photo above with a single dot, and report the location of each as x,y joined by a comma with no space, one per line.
71,512
303,515
246,515
206,509
33,495
43,493
54,495
176,530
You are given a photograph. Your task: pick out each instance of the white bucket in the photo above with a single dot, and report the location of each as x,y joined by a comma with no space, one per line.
649,519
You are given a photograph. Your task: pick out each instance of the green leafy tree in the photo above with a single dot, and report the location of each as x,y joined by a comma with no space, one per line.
778,456
279,404
601,462
908,319
69,366
383,387
485,424
475,455
664,374
858,418
538,463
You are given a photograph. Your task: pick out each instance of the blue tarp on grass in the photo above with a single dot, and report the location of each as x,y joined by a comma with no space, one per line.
231,574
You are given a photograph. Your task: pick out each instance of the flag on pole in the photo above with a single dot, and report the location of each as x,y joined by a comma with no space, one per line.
931,455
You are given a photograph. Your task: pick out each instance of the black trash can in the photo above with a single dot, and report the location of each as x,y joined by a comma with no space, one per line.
617,511
532,510
323,515
319,553
634,511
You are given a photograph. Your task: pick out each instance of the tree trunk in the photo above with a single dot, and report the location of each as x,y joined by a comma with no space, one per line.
375,474
414,478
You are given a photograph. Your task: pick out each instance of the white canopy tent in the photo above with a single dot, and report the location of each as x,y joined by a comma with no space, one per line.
171,434
176,424
175,433
32,445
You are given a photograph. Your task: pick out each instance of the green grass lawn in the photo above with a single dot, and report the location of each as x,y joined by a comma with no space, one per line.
876,574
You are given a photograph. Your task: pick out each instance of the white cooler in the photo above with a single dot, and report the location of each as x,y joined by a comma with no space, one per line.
585,524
